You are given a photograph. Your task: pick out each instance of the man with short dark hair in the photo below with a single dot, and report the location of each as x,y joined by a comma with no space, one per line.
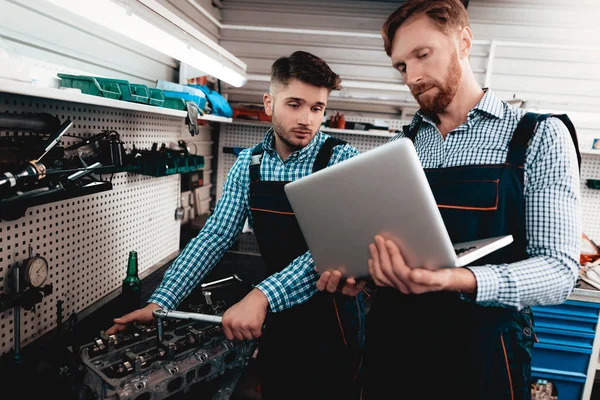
467,333
310,351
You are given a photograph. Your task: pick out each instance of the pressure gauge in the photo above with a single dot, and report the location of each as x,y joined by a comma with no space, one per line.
35,271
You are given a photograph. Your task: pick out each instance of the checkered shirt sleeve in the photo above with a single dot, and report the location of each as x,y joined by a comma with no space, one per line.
297,282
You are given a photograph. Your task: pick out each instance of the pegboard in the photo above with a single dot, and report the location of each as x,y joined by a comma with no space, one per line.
87,239
246,135
590,198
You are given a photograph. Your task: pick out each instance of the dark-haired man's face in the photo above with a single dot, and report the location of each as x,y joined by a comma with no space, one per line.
297,111
428,62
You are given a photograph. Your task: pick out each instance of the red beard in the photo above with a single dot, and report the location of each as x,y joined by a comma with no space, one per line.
437,103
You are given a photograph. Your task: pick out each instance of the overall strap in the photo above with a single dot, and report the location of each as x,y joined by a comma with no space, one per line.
325,153
565,120
526,129
521,138
412,133
255,159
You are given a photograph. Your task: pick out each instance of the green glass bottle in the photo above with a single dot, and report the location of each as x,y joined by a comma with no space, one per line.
131,291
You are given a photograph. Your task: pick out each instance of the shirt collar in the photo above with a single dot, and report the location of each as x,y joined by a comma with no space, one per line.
490,104
268,144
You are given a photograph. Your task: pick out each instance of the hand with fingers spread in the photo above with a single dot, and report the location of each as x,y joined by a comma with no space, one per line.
143,316
245,319
387,268
331,281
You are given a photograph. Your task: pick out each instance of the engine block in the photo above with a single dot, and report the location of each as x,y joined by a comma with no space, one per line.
137,366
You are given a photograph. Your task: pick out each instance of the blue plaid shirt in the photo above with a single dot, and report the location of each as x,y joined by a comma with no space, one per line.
552,199
296,283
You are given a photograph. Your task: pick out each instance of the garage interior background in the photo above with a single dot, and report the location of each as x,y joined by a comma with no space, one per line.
543,54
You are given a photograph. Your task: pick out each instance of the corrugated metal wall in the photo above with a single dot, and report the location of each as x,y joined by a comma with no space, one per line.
544,51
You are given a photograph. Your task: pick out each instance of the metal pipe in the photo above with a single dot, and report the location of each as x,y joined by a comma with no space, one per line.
162,313
213,283
86,171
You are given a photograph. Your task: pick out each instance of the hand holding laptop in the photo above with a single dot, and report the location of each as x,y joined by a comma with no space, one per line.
331,281
387,268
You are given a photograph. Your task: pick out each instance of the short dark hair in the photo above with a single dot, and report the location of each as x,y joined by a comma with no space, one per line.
446,14
306,68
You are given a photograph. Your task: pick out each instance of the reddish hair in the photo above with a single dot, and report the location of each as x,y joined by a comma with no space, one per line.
447,14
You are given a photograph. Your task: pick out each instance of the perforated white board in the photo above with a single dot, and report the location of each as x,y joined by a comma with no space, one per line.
590,169
86,240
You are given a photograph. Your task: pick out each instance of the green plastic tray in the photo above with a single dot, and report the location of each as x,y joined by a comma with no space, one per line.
90,85
175,103
157,97
118,89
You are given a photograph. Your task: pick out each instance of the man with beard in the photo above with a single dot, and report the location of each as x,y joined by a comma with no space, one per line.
312,350
494,170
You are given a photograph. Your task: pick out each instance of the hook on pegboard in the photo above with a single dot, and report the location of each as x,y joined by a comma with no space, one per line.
593,183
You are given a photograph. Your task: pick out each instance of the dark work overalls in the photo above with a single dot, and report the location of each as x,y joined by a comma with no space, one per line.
313,350
440,345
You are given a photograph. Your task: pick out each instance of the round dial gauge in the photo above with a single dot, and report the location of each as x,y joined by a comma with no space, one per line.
36,271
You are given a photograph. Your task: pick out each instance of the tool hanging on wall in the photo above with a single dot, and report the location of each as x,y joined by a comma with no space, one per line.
30,283
61,188
105,147
39,123
192,118
593,183
30,286
33,170
38,181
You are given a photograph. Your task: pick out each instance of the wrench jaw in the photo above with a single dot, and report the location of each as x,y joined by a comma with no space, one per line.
160,313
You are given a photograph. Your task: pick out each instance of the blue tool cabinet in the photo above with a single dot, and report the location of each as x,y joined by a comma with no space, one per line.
565,345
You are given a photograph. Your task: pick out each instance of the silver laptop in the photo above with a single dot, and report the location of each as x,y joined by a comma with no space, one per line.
382,191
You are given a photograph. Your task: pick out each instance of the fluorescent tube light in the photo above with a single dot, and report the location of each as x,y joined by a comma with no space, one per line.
124,21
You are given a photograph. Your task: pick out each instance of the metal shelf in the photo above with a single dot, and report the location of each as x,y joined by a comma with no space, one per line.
216,118
27,89
372,132
251,122
589,151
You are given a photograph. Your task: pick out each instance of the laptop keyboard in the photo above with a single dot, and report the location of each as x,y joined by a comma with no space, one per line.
464,250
